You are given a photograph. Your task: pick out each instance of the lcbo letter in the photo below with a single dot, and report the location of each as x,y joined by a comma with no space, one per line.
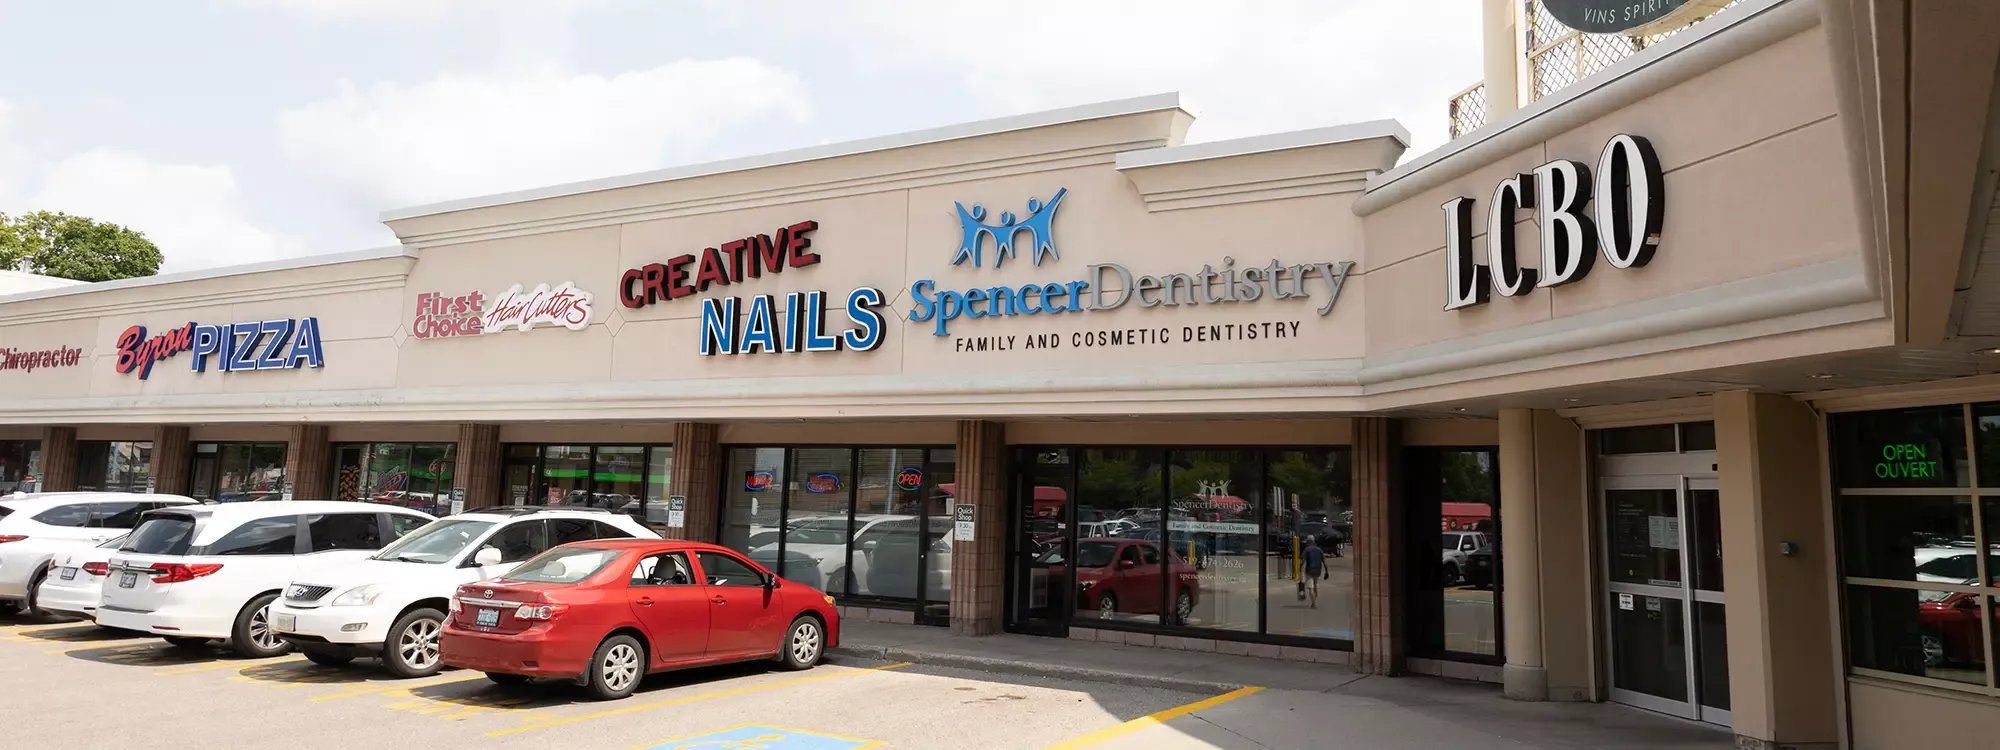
1630,196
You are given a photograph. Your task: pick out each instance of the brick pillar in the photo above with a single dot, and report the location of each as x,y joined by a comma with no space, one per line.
1380,644
476,468
977,591
58,459
697,471
309,462
173,455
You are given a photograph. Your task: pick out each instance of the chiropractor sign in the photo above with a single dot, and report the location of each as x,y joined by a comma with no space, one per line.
1618,212
1105,286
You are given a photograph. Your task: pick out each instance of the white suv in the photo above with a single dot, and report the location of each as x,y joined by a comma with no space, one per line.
204,572
35,527
392,604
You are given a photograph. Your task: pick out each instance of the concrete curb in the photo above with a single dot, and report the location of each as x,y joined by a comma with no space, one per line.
1030,669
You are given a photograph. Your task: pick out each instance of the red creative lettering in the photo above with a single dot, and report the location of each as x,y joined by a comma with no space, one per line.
728,263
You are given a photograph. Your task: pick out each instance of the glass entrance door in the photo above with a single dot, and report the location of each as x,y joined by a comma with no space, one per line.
1663,586
1039,511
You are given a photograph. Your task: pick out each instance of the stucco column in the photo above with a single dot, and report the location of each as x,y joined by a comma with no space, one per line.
1500,35
697,473
1547,576
1781,619
476,468
309,462
1380,604
58,459
173,452
977,595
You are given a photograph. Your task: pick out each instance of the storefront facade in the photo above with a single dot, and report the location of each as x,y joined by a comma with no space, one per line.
1719,378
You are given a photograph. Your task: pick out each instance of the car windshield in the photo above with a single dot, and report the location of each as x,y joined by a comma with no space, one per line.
161,535
1095,554
437,542
828,531
563,565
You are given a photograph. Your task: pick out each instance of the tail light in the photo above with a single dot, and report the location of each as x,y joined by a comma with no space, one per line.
538,611
5,538
178,572
97,569
454,606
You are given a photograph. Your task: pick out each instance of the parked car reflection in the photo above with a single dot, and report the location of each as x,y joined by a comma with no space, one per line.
1118,577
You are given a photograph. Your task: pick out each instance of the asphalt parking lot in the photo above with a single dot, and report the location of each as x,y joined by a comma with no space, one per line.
77,685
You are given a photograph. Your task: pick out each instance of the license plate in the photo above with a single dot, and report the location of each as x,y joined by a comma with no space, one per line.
488,618
128,580
287,623
69,574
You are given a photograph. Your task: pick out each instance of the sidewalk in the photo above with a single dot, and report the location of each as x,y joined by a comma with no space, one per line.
1302,705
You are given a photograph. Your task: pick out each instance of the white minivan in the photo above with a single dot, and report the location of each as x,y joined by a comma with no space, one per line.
194,574
393,604
35,527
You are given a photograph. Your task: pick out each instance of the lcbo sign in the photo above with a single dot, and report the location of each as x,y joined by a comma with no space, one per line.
1630,198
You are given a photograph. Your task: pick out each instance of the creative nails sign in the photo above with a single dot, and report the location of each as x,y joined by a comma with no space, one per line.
441,316
29,361
1109,286
262,345
1630,196
732,325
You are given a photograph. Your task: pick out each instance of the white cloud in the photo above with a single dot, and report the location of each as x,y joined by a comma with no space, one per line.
193,213
1251,67
463,135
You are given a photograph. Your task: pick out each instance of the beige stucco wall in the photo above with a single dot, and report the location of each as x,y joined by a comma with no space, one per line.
1884,716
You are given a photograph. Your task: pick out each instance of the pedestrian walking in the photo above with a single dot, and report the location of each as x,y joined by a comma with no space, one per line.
1315,569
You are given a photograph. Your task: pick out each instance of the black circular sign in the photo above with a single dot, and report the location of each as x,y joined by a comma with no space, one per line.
1619,16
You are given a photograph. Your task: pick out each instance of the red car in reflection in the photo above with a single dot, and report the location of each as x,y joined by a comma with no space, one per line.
1951,629
607,612
1122,576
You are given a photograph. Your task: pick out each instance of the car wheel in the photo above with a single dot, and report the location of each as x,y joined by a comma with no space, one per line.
616,668
253,637
837,583
805,643
29,608
179,641
412,647
1183,607
1107,605
501,678
328,660
1451,574
10,608
1933,649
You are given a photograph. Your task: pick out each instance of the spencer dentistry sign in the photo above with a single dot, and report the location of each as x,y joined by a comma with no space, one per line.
1105,287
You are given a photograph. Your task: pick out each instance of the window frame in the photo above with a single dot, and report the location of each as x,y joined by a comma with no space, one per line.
685,563
300,544
1978,490
311,539
763,578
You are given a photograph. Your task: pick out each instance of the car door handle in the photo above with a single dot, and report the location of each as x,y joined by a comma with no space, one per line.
719,600
646,602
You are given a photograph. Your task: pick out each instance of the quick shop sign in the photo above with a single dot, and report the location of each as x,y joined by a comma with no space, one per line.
286,344
1110,286
758,323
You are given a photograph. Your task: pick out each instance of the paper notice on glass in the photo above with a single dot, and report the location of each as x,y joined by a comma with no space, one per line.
1663,532
1625,602
676,512
962,521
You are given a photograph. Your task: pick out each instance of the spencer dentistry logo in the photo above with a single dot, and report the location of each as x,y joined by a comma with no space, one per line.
1107,287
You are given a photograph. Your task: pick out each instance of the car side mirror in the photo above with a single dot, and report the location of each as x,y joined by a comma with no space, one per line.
771,581
868,546
486,556
1126,565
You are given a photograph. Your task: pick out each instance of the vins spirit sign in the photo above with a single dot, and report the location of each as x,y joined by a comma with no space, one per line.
1618,211
1629,16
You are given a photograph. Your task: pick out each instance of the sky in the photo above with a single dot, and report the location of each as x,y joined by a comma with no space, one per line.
237,131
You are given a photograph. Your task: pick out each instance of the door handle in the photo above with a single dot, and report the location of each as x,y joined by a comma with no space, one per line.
646,602
719,600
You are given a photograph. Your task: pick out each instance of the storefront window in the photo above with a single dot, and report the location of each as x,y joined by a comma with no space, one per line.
1453,534
413,475
815,542
20,465
1309,504
1119,577
1919,531
113,466
754,492
238,472
1213,571
628,479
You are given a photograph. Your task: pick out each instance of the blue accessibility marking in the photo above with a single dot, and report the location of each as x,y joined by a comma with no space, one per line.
763,737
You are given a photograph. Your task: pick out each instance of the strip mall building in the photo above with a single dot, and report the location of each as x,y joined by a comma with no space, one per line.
1717,365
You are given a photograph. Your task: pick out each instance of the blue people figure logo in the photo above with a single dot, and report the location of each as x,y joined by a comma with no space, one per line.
1037,225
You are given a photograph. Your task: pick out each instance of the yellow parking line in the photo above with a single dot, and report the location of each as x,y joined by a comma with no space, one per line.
231,664
691,699
110,644
40,628
1143,722
395,686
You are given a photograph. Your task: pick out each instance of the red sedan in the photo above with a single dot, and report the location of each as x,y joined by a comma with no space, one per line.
1117,576
607,612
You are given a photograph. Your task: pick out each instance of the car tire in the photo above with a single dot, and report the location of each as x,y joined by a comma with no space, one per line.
1451,574
1107,605
10,608
615,669
28,608
328,660
837,583
1183,607
252,636
805,643
502,678
181,641
411,650
1933,648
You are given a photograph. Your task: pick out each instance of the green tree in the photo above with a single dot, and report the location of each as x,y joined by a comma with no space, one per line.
51,243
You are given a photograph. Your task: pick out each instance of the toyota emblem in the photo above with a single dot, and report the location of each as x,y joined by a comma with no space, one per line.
489,593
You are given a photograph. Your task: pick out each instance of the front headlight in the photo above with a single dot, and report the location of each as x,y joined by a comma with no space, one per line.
359,596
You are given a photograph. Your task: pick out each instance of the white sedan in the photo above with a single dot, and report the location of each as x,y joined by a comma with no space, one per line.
74,585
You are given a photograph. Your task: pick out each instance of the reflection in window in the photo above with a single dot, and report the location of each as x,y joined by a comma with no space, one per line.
755,490
1123,486
815,539
627,479
239,472
1309,504
417,476
1213,500
113,466
1901,448
1452,518
20,460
